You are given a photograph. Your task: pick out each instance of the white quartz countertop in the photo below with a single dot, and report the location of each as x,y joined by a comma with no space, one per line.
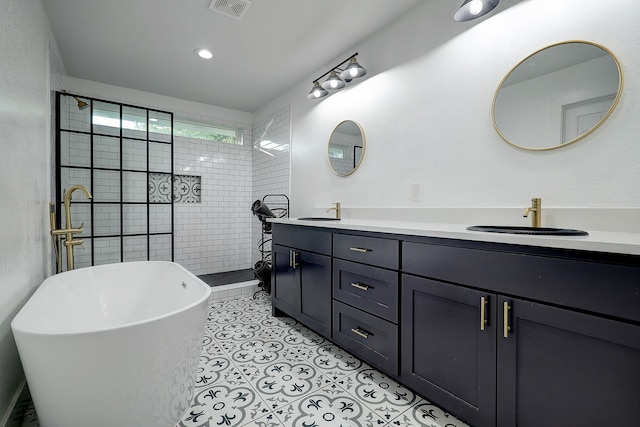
597,241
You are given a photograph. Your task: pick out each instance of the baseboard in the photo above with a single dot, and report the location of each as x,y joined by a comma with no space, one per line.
17,407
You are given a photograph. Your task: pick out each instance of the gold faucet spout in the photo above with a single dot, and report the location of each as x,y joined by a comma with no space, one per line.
67,201
536,212
336,208
69,231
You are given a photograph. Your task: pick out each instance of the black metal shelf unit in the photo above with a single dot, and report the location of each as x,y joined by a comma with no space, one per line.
271,206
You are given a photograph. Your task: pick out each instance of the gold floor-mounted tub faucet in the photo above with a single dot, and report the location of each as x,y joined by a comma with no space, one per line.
68,231
536,212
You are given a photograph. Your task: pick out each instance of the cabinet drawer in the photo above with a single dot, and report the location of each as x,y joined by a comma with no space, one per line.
369,250
372,289
598,287
304,238
367,336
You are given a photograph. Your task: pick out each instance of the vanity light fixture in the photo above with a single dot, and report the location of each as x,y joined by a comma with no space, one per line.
317,91
472,9
203,53
338,77
333,82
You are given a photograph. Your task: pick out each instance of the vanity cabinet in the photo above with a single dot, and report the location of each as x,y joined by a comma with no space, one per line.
473,340
301,276
500,335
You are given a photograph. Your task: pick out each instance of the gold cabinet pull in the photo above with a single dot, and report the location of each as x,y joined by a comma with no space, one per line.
294,261
360,332
507,328
363,250
483,312
359,286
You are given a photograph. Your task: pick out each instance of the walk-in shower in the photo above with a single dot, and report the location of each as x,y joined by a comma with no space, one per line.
123,154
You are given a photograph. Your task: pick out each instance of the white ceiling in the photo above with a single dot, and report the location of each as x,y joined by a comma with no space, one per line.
148,44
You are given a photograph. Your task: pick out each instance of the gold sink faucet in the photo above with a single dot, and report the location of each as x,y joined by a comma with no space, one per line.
68,231
336,208
536,212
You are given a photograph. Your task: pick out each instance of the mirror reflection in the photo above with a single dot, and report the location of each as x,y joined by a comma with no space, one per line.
346,148
557,95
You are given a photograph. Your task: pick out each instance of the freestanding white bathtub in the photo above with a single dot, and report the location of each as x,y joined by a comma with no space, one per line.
113,345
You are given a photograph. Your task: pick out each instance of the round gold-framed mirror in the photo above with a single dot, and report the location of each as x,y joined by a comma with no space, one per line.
557,95
346,148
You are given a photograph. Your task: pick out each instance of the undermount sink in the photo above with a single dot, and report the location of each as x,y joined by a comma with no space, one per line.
317,218
537,231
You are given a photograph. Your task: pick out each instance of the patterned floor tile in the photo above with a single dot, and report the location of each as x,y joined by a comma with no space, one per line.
257,351
381,393
425,414
211,368
331,358
224,405
285,381
329,406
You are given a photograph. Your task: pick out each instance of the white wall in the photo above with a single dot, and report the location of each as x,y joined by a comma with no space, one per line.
24,146
425,107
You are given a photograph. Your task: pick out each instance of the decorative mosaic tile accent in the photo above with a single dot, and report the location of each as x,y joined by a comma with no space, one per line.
186,188
257,370
159,188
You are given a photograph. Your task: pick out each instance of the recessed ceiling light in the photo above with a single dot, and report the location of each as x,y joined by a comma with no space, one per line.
203,53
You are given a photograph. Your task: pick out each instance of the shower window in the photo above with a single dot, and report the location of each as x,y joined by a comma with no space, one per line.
123,155
207,133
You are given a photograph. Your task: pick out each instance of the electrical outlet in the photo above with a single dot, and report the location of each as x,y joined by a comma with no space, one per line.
414,192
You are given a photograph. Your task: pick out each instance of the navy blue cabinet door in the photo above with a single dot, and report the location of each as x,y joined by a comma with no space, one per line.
285,281
315,291
301,286
565,368
448,347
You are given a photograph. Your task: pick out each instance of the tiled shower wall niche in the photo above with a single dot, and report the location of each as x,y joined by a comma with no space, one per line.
187,189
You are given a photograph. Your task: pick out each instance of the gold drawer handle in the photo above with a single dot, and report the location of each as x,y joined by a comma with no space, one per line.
360,332
506,326
483,316
359,286
363,250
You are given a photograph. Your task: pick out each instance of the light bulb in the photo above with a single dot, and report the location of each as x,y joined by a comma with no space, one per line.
203,53
475,7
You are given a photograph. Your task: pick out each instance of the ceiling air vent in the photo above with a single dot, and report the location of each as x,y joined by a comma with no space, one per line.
232,8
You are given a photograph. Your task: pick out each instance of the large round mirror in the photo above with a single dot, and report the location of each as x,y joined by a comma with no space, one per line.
346,148
557,95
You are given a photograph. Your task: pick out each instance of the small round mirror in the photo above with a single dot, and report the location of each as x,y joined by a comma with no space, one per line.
346,148
557,95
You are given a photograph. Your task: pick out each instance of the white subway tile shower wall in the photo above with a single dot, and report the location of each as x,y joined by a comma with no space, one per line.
119,196
270,173
215,235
